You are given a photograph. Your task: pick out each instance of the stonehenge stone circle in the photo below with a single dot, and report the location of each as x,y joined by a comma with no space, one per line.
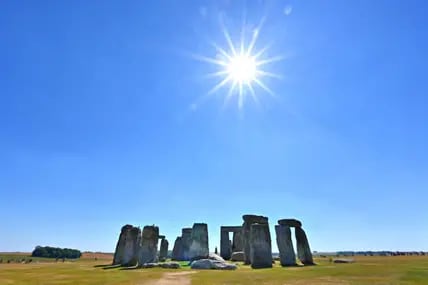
303,250
260,246
199,241
127,248
250,243
246,233
285,245
163,252
149,245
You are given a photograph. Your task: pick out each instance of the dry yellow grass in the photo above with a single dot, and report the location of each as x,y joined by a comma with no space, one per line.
366,270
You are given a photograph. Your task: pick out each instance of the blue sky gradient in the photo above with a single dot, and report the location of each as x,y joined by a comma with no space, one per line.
97,129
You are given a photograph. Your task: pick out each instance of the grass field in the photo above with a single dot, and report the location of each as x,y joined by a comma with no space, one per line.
366,270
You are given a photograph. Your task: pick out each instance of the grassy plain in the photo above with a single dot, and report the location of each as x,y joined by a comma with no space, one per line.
366,270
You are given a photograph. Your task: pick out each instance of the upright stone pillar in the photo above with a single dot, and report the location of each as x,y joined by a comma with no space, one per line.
237,244
199,245
246,233
163,249
260,246
225,250
186,241
128,246
149,245
177,251
303,250
285,245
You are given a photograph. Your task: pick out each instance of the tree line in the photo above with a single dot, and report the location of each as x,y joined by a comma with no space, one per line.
55,252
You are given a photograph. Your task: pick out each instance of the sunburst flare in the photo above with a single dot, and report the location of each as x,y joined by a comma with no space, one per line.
241,67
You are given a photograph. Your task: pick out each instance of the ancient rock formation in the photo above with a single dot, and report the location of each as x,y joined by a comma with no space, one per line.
149,245
177,251
163,252
128,246
285,245
303,250
290,223
260,246
227,247
246,233
186,241
199,245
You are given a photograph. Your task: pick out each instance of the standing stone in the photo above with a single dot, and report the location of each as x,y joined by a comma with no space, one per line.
237,244
303,250
285,245
163,249
128,246
225,250
246,232
199,245
186,241
261,247
177,251
149,245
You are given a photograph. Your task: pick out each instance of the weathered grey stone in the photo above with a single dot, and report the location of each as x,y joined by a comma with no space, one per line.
212,264
225,249
237,256
260,246
150,265
128,246
199,245
303,250
285,245
290,222
163,252
246,233
172,265
186,241
217,257
149,245
177,251
237,244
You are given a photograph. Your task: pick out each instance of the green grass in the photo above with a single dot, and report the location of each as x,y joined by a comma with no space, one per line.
18,257
366,270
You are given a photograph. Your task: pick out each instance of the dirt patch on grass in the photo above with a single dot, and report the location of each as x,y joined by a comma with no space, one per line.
174,278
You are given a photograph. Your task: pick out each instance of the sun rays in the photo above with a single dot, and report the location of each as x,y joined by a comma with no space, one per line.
241,68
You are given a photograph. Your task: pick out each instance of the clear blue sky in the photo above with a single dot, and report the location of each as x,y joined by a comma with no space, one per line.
96,130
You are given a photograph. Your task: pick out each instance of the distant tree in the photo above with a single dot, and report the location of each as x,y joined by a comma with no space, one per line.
56,252
215,250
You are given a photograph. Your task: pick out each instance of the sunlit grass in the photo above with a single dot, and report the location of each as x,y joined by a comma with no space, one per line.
366,270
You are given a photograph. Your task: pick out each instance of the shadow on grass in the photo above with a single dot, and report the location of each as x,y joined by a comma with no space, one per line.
107,266
130,268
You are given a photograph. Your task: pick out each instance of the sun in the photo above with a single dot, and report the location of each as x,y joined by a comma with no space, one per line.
241,67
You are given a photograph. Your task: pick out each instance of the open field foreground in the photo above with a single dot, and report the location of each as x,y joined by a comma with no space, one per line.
366,270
